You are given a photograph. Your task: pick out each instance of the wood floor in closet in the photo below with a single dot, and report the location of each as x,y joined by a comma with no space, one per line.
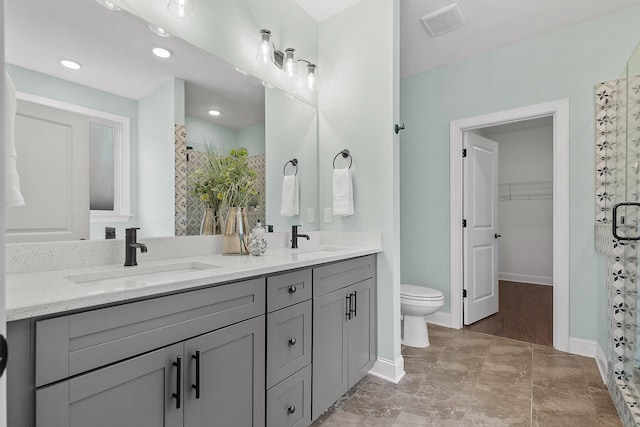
525,314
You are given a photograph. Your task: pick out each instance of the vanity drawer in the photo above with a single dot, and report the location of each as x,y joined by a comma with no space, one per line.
288,341
286,289
289,403
77,343
340,274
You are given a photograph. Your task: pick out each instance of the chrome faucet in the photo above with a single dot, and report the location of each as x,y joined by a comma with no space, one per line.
295,235
130,247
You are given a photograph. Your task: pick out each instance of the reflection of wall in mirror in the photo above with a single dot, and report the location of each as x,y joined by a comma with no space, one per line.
35,83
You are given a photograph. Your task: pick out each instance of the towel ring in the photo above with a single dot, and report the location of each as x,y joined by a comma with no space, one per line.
294,162
344,153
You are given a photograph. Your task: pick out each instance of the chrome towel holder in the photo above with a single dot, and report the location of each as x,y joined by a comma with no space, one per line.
294,162
344,153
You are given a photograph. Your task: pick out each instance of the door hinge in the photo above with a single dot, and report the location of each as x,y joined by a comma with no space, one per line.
464,293
464,152
464,223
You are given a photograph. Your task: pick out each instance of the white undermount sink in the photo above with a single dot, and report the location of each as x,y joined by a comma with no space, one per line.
316,249
141,275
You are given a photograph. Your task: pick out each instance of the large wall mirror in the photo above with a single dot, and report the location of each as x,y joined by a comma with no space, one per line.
123,89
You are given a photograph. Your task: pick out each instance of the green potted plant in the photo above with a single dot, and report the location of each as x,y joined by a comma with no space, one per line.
227,184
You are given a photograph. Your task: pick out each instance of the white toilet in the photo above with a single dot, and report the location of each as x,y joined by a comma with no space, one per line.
415,303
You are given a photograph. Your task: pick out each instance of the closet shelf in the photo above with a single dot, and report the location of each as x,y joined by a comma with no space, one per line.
535,190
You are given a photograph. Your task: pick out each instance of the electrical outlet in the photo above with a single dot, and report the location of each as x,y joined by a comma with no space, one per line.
327,215
311,215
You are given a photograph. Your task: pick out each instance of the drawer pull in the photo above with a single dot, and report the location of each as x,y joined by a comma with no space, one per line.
292,341
196,386
292,289
176,395
291,409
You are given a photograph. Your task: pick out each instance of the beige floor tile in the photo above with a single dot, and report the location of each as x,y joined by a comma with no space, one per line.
550,409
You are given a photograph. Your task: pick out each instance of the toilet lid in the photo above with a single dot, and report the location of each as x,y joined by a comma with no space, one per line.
420,292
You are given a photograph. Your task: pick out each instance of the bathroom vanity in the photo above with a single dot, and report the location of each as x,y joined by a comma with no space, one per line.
274,348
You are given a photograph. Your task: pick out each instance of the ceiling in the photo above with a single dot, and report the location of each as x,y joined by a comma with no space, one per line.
115,51
490,24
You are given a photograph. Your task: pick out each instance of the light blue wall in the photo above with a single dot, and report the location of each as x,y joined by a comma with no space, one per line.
285,140
252,138
357,102
35,83
563,64
201,132
156,164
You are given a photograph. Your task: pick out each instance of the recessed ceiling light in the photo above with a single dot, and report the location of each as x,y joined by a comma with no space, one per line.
72,65
159,30
109,5
161,53
214,112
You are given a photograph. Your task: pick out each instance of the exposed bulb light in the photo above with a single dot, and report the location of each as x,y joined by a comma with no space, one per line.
181,9
290,66
109,5
159,31
161,53
311,77
214,113
72,65
265,51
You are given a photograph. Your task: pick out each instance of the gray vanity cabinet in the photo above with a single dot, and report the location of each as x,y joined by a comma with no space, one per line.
136,392
228,388
344,328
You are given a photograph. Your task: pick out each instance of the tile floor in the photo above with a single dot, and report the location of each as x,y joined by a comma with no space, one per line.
468,378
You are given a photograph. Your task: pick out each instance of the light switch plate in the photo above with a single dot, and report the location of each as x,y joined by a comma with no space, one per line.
311,215
327,215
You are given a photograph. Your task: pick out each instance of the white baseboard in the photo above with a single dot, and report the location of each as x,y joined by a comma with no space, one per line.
582,347
388,369
603,366
440,319
526,278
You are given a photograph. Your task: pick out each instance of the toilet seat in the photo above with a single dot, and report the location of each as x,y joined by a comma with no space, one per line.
420,293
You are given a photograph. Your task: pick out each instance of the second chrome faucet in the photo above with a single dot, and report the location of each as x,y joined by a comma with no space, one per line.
295,235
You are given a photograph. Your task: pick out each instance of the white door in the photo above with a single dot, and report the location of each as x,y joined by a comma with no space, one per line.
53,163
480,236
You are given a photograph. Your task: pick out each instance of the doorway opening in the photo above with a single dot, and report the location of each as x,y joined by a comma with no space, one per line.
558,113
509,230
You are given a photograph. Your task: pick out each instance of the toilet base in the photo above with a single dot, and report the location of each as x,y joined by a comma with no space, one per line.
414,332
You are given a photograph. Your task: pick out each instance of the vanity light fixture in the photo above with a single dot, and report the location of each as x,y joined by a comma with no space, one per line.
159,31
214,112
72,65
267,52
161,53
109,5
181,9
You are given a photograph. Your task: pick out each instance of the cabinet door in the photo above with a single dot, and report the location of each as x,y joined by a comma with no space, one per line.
362,330
330,375
136,392
231,377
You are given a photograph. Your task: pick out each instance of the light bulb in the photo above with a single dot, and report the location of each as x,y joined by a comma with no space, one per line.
265,52
290,65
311,77
182,9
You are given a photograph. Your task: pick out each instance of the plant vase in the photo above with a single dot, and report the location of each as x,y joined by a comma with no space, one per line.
210,222
235,240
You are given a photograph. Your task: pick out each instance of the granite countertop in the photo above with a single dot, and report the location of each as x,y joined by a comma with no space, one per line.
50,292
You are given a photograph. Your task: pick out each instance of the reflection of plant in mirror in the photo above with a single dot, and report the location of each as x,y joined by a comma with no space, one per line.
225,181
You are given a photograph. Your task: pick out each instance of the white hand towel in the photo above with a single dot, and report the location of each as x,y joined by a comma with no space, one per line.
13,196
290,196
342,192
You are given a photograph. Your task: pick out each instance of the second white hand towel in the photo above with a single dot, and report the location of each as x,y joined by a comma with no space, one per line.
290,205
342,192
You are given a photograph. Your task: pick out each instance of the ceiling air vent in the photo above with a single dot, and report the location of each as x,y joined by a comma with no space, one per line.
442,20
